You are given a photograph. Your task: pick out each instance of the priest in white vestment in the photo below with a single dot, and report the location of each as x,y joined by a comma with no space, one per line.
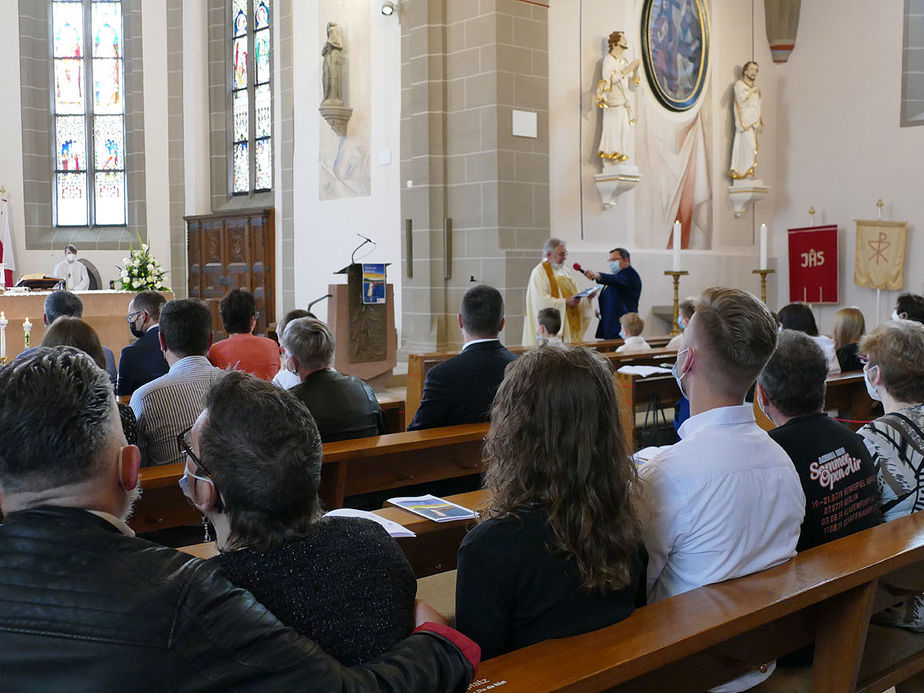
553,285
74,274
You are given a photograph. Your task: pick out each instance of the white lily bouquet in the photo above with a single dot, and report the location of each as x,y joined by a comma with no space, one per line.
141,271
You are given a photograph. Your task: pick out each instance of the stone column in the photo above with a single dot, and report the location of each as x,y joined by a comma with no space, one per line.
466,65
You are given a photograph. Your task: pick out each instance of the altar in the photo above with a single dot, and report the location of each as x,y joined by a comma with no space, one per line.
104,310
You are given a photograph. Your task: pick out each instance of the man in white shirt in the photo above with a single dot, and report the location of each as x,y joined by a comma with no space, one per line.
726,500
74,273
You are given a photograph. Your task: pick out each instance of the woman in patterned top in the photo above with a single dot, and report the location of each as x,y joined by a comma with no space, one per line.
894,374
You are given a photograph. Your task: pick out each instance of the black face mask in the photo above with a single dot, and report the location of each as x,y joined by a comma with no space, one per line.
135,331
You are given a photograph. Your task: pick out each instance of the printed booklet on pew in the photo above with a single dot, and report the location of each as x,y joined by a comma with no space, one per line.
433,508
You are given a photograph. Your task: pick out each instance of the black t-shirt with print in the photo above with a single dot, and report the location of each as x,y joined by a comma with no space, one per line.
837,474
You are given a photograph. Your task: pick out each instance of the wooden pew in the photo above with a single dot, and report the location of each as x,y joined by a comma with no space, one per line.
710,635
350,467
434,550
418,365
392,408
845,392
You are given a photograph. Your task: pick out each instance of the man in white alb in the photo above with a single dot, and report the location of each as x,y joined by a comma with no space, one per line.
726,500
74,273
553,285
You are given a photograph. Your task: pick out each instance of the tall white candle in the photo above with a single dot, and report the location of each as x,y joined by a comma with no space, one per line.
3,323
763,246
26,329
677,241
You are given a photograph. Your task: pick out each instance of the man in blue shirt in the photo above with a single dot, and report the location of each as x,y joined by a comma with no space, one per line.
621,291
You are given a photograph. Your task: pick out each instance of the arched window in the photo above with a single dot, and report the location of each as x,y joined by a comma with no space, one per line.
251,97
88,106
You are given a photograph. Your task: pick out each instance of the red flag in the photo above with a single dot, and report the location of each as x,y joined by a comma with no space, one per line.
813,264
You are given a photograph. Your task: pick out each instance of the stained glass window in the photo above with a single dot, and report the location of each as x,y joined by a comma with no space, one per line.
251,96
89,112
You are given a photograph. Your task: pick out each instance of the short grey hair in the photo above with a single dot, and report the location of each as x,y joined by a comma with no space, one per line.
794,377
59,441
310,341
551,245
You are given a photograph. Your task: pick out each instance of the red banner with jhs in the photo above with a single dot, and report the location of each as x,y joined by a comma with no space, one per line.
813,264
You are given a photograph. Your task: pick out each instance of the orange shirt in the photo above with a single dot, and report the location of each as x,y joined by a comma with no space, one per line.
247,352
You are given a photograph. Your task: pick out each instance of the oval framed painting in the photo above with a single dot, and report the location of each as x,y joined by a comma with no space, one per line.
675,48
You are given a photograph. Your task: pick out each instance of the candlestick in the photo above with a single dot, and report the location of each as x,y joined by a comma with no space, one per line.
676,274
763,282
26,329
678,232
763,246
3,323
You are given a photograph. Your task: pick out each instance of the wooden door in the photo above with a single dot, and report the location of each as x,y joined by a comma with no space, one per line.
230,250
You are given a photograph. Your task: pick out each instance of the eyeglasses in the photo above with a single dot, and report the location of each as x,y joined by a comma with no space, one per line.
186,449
131,317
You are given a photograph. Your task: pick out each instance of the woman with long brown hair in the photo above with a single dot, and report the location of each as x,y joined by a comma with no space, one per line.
557,550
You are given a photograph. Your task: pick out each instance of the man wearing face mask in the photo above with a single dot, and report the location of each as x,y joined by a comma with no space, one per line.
726,500
142,361
909,307
832,461
104,607
74,273
621,291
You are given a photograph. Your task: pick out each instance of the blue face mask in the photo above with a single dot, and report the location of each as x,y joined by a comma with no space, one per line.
680,322
614,267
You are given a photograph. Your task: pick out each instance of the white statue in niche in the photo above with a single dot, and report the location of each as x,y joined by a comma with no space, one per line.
332,78
332,107
748,124
619,78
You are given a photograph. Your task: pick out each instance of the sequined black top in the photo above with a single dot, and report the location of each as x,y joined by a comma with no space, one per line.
347,586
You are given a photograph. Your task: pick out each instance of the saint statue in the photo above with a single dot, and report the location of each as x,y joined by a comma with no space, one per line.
748,124
332,78
619,77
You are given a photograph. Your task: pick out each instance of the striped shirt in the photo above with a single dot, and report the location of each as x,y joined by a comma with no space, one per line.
168,405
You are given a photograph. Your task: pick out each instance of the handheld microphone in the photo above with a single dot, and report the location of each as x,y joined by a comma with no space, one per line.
577,266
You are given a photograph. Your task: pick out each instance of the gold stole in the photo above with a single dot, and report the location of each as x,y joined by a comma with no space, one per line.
573,312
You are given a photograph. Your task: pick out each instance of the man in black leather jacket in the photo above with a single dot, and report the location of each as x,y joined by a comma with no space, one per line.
88,607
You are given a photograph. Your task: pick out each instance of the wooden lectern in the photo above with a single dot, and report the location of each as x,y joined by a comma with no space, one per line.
367,344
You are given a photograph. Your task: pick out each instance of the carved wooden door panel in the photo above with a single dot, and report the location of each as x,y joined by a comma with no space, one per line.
231,250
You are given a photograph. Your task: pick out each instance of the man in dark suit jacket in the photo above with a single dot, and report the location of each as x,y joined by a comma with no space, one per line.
142,361
462,389
621,291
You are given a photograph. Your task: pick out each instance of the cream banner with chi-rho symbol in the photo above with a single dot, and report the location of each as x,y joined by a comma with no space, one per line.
880,261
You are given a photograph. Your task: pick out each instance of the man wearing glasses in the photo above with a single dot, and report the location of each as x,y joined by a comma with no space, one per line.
87,606
167,405
142,361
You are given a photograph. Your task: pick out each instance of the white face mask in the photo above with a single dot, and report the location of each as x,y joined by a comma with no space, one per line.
679,378
870,388
895,315
70,257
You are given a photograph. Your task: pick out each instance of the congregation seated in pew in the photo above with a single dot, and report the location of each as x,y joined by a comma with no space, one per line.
837,473
343,406
549,558
549,327
799,317
849,327
124,611
143,360
253,461
894,373
285,378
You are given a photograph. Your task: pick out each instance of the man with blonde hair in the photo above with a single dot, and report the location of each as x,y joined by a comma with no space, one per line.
726,500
